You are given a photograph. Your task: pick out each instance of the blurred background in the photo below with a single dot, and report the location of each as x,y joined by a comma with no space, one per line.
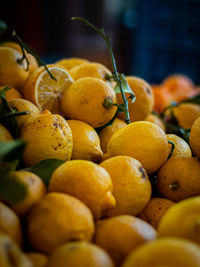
151,38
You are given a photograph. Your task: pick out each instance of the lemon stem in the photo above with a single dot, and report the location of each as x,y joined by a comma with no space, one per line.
25,47
174,186
116,76
14,114
172,148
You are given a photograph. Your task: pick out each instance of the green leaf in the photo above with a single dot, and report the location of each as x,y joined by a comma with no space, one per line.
45,168
10,151
125,86
3,27
11,189
194,100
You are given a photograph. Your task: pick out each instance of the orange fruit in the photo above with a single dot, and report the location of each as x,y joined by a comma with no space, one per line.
13,73
23,105
10,223
12,94
143,105
155,210
47,136
32,61
120,235
86,181
58,218
35,191
108,131
71,62
45,92
173,181
143,141
165,252
84,100
181,146
79,254
162,98
195,137
131,185
86,143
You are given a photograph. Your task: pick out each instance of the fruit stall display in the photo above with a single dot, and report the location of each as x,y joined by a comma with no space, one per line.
97,169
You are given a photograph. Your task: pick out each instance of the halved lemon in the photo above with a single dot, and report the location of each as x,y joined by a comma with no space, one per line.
45,92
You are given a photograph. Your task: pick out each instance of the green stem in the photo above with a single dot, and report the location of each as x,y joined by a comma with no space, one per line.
26,48
14,114
172,149
115,72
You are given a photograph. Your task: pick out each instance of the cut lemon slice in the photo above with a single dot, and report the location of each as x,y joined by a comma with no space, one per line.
45,92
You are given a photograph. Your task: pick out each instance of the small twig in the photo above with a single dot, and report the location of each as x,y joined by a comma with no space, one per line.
26,48
14,114
172,149
116,76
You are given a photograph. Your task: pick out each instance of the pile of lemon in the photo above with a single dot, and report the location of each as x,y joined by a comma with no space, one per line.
97,210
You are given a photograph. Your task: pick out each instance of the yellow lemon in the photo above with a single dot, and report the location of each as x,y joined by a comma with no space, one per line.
165,252
45,92
85,100
178,178
86,142
195,137
155,210
88,182
47,136
56,219
108,131
182,220
120,235
4,134
181,146
155,119
131,185
143,141
80,254
69,63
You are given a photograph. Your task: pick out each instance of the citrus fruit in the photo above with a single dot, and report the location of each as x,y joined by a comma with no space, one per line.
86,142
10,223
165,252
32,61
195,137
4,134
131,185
90,69
181,146
108,131
120,235
23,105
12,94
87,181
143,141
58,218
143,105
45,92
155,119
155,210
182,220
47,136
178,178
35,191
185,113
85,100
11,255
13,73
79,254
37,259
162,98
69,63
